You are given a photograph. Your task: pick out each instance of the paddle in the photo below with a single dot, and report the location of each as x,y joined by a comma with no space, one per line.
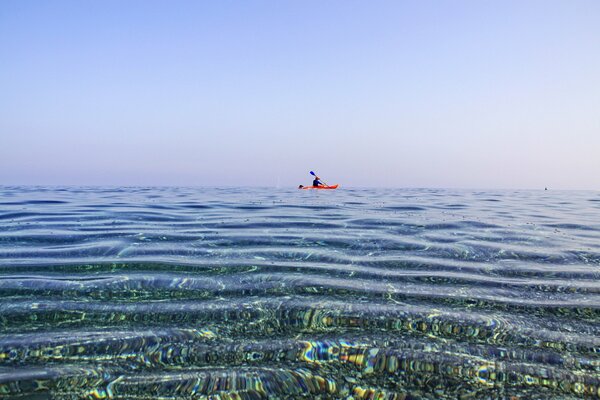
315,175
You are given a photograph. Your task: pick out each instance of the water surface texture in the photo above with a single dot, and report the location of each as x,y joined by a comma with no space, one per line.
281,293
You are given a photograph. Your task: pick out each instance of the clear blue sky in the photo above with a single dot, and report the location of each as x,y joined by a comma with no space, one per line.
481,94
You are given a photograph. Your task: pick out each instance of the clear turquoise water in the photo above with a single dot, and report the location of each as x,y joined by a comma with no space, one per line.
253,293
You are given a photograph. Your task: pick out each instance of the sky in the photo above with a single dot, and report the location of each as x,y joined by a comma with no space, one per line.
451,94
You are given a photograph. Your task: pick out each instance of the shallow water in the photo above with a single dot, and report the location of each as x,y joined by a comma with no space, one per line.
253,293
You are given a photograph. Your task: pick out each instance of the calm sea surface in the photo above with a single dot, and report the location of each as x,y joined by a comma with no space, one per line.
282,293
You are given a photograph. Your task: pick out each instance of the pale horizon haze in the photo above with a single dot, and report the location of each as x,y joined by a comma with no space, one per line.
452,94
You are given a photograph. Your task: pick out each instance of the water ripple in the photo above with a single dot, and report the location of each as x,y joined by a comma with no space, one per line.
253,293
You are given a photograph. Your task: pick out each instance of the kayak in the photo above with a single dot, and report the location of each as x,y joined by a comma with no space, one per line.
320,187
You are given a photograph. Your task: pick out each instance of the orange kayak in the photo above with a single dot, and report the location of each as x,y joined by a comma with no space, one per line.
319,187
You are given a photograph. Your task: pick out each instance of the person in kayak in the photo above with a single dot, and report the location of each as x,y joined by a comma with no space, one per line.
317,184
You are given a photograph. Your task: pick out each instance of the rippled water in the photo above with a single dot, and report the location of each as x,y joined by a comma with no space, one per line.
272,293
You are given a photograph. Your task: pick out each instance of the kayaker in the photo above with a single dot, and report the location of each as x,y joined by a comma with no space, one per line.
318,184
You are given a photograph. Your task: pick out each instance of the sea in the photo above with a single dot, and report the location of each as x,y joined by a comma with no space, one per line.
277,293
